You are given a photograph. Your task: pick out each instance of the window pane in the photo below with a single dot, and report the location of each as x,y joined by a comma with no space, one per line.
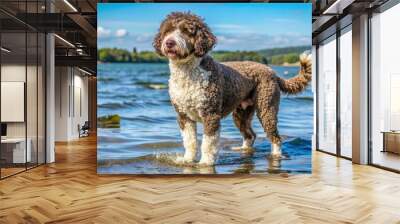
31,97
41,99
346,93
13,86
327,96
385,84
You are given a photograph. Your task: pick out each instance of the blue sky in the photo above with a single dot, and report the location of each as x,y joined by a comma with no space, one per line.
238,26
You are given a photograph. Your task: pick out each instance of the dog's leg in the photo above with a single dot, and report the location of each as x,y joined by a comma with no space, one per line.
242,119
209,148
209,145
267,106
188,132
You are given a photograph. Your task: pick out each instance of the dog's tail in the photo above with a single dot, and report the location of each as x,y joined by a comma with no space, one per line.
299,82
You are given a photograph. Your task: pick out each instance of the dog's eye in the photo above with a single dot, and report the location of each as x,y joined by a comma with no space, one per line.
187,30
167,28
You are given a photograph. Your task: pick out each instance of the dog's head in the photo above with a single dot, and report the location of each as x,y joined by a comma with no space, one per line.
183,34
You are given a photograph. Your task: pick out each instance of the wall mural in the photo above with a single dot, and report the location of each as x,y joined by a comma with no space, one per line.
204,88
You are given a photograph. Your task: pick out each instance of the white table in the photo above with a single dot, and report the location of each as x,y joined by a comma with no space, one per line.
19,153
391,141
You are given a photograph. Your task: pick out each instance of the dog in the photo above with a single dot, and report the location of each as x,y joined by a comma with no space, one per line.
206,91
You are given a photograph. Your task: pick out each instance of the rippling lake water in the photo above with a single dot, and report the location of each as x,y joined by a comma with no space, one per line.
149,139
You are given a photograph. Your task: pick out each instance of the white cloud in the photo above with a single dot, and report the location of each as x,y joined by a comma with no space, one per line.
226,41
259,41
142,41
102,32
143,38
227,26
121,33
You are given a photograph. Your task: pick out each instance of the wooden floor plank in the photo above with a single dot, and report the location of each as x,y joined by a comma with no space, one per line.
70,191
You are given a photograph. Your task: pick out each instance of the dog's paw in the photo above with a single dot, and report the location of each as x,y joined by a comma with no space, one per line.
242,148
247,146
237,148
206,162
183,160
276,156
207,170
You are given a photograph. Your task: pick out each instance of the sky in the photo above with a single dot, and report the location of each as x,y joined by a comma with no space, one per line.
238,26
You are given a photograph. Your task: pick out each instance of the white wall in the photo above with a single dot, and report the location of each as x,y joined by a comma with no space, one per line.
33,126
80,115
71,87
62,82
12,73
13,101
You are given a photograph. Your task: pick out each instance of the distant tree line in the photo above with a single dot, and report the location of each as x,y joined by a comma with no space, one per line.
239,56
279,56
283,50
122,55
276,56
290,58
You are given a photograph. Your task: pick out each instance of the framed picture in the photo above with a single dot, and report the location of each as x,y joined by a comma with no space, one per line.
186,88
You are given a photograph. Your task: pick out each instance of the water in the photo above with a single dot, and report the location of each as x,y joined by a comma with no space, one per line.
149,139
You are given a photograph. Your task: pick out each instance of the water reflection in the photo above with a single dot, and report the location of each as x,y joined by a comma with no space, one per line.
149,139
168,161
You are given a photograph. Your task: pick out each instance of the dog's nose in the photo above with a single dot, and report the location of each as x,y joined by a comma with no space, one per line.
170,43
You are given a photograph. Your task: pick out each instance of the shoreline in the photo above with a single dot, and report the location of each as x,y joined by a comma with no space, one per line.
297,64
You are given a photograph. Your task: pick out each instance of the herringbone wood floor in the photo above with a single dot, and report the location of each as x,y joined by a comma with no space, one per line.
70,191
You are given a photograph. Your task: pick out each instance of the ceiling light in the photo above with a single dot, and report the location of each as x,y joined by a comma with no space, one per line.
70,5
331,8
337,7
5,50
65,41
79,51
84,71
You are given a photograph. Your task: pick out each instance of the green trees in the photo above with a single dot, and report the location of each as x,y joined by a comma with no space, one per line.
114,55
285,58
239,56
283,50
121,55
276,56
147,57
279,56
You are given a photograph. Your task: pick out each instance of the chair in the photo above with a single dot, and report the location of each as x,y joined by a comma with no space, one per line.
84,130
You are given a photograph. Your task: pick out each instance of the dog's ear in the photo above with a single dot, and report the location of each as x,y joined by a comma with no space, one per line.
157,42
158,38
204,41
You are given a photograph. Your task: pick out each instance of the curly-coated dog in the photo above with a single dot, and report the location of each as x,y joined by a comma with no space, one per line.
206,91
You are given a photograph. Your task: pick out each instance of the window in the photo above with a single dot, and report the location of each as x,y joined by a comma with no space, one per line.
346,95
22,77
385,89
327,95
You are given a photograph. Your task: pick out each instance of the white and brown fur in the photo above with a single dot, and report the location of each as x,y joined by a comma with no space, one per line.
206,91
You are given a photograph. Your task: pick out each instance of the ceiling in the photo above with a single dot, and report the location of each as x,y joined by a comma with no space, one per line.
328,15
73,21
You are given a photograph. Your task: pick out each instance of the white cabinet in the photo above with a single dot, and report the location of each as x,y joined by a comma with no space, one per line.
18,149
